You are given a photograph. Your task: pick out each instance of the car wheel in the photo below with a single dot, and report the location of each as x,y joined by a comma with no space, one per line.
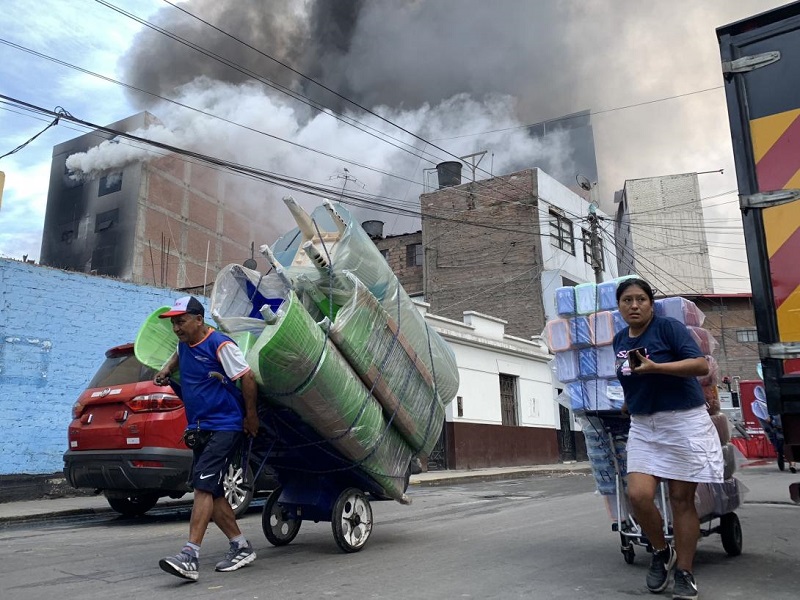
132,505
238,486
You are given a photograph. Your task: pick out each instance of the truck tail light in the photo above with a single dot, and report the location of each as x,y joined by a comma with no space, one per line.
155,403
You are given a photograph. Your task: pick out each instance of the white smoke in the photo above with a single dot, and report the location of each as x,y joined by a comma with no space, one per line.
271,135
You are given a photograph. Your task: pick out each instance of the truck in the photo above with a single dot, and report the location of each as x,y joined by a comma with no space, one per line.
761,69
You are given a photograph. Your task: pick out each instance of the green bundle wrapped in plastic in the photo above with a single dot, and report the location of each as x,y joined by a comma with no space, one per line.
380,353
155,342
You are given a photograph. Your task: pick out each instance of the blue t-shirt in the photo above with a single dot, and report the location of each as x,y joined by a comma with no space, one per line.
665,340
212,401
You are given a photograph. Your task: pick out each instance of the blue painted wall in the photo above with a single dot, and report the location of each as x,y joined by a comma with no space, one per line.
55,327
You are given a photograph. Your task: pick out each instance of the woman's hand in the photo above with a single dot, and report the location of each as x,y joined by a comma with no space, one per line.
645,364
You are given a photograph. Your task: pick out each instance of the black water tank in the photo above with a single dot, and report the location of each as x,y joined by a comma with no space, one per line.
449,173
374,229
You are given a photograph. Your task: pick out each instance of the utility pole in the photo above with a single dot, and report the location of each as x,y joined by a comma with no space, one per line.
596,243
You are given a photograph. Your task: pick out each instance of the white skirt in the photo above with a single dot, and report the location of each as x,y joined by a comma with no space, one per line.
681,444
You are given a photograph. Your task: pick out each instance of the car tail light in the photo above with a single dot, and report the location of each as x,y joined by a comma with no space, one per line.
155,403
77,409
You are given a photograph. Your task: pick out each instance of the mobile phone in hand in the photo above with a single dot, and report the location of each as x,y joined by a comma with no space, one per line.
635,357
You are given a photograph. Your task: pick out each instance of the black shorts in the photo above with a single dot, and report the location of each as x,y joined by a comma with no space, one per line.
211,461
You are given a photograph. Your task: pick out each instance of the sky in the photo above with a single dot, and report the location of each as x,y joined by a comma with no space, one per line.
463,75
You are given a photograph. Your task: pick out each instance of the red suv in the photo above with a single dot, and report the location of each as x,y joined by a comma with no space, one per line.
126,440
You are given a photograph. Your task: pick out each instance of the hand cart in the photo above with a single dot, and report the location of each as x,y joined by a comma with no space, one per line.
606,433
315,483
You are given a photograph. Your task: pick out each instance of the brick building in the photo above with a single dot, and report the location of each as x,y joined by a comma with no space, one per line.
731,320
404,254
503,245
169,222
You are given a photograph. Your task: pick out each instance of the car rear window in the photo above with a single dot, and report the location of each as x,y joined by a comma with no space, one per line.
120,370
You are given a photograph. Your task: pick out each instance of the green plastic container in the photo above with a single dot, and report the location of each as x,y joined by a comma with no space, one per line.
155,342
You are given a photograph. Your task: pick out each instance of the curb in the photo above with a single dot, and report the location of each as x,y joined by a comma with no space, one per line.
499,476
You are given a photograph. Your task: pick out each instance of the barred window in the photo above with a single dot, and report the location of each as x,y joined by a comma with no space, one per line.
414,255
561,233
508,399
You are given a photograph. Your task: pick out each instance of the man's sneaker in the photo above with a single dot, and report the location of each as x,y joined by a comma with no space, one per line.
685,588
237,557
182,565
661,564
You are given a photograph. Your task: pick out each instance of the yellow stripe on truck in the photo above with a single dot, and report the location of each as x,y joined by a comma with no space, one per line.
768,130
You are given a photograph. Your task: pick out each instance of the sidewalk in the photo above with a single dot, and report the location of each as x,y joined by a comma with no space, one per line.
766,485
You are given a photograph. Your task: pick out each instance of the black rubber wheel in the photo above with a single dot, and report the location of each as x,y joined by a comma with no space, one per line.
134,504
626,547
278,527
629,554
730,530
238,486
351,520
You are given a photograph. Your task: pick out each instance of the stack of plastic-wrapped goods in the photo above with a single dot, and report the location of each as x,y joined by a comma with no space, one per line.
581,339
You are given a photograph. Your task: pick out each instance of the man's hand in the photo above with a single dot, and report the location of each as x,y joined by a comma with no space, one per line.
162,377
251,424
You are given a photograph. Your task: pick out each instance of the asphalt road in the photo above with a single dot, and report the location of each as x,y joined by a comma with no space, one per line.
538,537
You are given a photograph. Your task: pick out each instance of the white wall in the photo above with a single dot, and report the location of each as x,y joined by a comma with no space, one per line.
558,263
483,352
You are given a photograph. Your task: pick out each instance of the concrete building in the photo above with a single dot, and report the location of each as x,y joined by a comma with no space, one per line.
503,245
660,234
166,222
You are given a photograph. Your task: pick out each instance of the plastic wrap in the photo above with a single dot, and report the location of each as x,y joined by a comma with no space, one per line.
719,498
606,362
619,322
587,363
723,427
602,450
352,250
577,395
704,339
607,295
601,325
557,335
580,332
239,295
296,366
680,309
728,460
586,298
378,351
566,365
565,301
712,378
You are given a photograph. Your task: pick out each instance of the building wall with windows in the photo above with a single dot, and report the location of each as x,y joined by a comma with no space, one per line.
405,257
166,222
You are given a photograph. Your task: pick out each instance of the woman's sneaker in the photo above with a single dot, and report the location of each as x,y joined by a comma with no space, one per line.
181,565
661,564
685,588
237,557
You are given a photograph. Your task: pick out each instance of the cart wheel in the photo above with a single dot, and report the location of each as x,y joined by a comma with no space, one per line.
730,530
626,547
351,520
279,528
629,554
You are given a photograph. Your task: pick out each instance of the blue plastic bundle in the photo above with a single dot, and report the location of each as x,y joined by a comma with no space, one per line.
607,295
565,301
580,332
567,366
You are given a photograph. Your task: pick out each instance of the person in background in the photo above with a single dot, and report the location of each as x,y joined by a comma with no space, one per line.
772,426
671,438
218,415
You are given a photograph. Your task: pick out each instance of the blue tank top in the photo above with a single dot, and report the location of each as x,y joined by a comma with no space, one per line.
212,401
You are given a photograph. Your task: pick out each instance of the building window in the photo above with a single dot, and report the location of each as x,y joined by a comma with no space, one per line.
385,254
104,259
745,336
110,183
561,233
460,406
414,255
587,250
105,220
508,399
